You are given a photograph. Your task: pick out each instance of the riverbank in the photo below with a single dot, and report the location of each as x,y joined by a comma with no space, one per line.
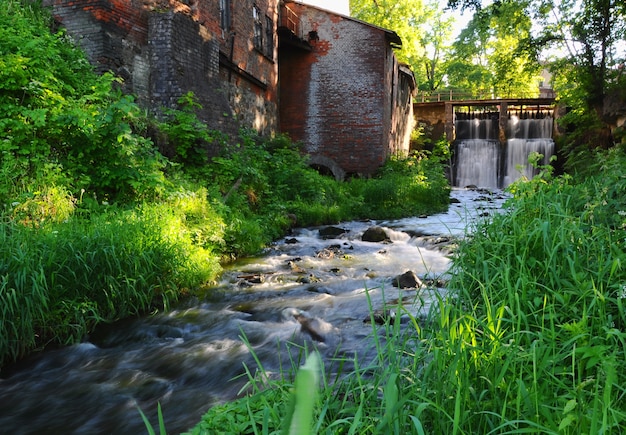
107,212
529,339
105,262
309,290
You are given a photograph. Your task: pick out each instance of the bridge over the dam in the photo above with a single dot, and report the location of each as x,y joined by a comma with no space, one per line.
492,139
439,116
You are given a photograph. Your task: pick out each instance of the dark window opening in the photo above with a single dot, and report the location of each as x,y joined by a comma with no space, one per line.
225,17
258,28
269,37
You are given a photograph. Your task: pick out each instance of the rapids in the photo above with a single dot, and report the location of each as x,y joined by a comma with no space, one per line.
306,291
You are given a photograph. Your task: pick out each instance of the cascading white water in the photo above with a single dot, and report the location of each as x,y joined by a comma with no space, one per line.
527,136
477,151
481,160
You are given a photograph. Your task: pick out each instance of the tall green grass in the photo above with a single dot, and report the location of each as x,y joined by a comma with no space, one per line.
59,280
529,338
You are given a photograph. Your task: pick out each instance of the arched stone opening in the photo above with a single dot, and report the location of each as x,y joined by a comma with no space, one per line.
327,166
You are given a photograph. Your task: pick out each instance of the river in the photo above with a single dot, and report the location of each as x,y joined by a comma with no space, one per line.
305,291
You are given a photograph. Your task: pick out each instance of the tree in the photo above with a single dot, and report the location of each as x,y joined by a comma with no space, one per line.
585,40
489,58
423,30
405,18
590,36
436,51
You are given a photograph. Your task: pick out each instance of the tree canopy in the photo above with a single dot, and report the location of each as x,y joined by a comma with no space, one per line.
424,31
488,56
484,61
584,39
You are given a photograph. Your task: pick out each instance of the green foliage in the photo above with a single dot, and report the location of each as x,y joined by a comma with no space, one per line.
262,412
59,281
404,186
405,18
187,137
298,421
489,57
591,36
534,329
55,111
424,30
162,430
528,338
103,152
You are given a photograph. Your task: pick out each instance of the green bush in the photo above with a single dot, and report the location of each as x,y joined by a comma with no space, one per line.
56,112
57,282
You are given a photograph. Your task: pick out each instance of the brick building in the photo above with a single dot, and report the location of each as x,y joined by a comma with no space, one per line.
342,92
349,107
224,53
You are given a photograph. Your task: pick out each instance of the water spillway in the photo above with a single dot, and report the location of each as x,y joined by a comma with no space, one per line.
527,135
490,153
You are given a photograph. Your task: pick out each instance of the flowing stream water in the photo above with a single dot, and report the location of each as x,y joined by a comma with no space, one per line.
305,291
482,160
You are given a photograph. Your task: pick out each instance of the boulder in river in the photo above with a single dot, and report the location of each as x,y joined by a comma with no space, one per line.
375,234
317,328
407,280
331,232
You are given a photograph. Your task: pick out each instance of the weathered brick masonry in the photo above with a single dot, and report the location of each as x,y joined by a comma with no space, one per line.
342,92
163,49
346,99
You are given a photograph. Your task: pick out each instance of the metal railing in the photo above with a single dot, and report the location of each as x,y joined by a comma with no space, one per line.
290,20
451,95
437,96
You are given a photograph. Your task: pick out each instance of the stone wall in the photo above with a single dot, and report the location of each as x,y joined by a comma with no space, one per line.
434,118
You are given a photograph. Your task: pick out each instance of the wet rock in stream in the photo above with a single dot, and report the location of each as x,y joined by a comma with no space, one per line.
375,234
407,280
318,329
331,232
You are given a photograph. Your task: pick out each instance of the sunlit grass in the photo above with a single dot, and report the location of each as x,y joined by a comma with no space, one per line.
528,339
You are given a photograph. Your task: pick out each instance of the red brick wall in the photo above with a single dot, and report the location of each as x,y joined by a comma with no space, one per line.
337,98
115,33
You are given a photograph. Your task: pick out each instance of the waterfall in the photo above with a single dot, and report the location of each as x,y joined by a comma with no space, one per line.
477,155
477,150
527,136
482,159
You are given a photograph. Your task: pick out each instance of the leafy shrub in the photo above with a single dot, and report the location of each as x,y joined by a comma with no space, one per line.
54,110
187,138
403,187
